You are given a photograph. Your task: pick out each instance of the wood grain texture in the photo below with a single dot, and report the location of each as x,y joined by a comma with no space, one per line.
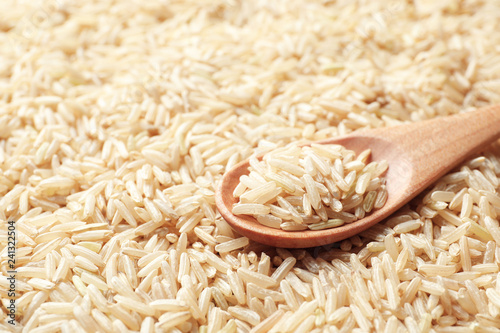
418,155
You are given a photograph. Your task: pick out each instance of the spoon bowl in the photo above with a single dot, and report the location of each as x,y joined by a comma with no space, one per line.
418,154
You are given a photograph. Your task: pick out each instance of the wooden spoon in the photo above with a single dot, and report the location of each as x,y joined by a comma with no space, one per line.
418,154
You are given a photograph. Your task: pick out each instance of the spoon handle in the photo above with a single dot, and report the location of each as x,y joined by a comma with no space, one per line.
440,143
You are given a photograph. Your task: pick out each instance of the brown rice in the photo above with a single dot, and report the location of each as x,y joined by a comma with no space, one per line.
117,120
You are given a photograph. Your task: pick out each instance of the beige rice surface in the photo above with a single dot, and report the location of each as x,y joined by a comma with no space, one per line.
118,118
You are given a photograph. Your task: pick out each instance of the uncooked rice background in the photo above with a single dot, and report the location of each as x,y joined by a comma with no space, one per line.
118,118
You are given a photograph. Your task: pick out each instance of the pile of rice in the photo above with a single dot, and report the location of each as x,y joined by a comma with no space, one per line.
312,187
118,118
